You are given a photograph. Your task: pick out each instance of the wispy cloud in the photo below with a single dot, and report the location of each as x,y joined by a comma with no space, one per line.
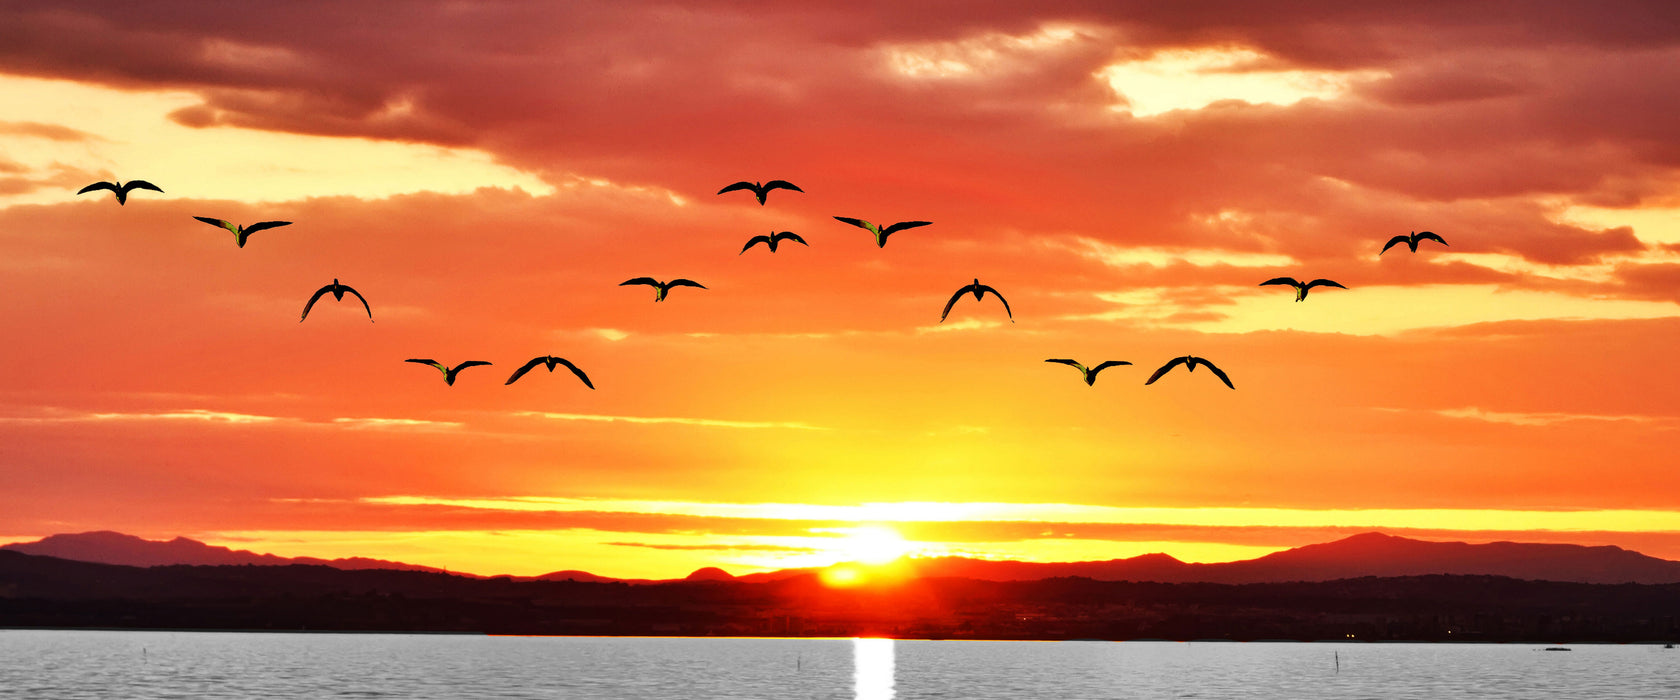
967,324
57,415
655,420
1539,418
395,424
202,415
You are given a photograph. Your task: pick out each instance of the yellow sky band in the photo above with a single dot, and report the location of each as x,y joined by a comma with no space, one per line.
913,511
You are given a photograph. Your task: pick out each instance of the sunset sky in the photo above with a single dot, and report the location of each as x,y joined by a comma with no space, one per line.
1124,173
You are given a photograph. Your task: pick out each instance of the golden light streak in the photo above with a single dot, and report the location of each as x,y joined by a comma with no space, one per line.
1374,310
1606,520
1650,224
1162,256
984,55
652,420
1175,79
131,135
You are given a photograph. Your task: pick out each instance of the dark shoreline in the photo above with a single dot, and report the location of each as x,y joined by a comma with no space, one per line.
48,593
1526,642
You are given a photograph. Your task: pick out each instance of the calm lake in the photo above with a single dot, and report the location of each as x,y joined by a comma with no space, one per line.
76,664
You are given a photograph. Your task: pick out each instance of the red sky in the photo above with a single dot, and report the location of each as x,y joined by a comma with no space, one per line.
1124,173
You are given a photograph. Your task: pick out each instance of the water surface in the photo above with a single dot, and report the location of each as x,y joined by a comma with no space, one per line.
86,664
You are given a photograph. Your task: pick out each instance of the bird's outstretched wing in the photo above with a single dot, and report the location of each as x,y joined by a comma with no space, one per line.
902,225
469,363
98,186
755,240
317,297
524,368
1324,283
1394,242
680,282
1164,369
141,185
369,309
1218,373
261,225
860,223
953,302
791,236
224,223
640,280
781,185
743,185
1110,363
576,371
1069,363
1430,236
985,288
1281,280
434,363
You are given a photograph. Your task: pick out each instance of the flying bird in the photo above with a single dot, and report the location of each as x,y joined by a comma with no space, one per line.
551,361
449,373
761,191
978,289
121,189
881,233
662,288
1190,362
1412,240
338,291
772,239
241,233
1090,372
1301,288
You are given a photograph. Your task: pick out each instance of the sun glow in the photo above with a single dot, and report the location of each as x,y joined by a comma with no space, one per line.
871,544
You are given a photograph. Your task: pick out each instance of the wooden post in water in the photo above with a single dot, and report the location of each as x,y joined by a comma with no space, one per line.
1338,662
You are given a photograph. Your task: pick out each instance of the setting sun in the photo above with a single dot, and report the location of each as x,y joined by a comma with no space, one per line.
871,544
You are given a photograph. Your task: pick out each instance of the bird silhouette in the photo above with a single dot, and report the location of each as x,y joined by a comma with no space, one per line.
1301,288
1190,362
241,233
761,191
662,288
121,189
449,373
1412,240
551,361
1090,372
881,233
338,291
978,289
772,239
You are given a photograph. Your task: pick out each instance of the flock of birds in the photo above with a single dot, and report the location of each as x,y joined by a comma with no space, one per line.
761,191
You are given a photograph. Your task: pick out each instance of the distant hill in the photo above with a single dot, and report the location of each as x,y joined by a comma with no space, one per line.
106,547
1369,554
568,575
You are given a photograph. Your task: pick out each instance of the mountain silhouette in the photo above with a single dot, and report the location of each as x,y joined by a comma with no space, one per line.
710,573
106,547
1368,554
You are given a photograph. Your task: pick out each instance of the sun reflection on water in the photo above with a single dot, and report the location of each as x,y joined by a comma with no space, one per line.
873,660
